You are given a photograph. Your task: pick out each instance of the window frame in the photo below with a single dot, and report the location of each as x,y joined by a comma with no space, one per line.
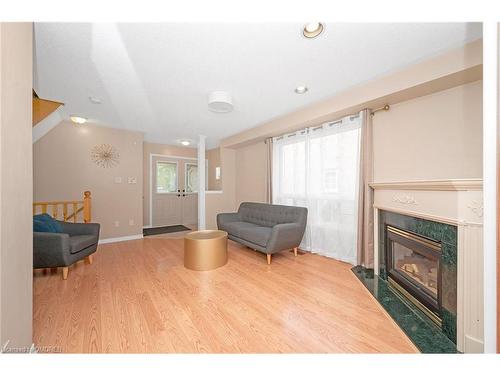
176,190
186,177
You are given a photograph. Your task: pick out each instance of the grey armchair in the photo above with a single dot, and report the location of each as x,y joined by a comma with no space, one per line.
268,228
76,242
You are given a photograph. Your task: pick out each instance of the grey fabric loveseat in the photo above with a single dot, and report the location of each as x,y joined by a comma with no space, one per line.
267,228
76,242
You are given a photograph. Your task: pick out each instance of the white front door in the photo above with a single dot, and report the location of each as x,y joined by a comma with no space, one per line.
190,200
174,191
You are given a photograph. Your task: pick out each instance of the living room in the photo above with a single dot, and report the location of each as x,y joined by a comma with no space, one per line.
420,113
339,208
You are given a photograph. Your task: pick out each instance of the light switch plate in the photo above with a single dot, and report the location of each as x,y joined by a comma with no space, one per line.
118,180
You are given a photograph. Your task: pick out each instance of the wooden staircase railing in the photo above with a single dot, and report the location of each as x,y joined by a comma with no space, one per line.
71,210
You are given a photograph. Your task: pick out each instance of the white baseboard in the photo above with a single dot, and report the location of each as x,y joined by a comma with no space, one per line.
120,239
160,226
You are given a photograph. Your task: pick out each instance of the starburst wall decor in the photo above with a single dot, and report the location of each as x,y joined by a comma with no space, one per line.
105,155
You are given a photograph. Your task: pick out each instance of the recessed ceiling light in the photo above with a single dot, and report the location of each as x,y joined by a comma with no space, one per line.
301,89
184,142
95,100
312,29
78,119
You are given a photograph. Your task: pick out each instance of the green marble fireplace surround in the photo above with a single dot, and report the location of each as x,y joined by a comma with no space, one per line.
425,334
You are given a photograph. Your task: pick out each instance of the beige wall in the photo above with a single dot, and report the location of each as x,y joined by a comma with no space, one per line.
222,201
251,173
437,136
63,170
160,149
213,160
16,185
446,124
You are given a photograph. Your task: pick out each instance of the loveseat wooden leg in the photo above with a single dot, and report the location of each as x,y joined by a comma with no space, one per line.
295,251
65,271
268,258
89,259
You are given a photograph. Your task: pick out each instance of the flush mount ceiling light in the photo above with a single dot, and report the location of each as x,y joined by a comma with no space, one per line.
78,119
95,100
312,29
220,102
184,142
301,89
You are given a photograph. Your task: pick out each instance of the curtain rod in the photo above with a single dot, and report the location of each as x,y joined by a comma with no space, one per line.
372,113
384,108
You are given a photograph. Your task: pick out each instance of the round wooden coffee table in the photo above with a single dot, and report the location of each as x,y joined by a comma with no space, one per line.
205,250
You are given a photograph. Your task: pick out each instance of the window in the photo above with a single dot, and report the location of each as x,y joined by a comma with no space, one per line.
330,181
318,168
293,170
191,178
166,177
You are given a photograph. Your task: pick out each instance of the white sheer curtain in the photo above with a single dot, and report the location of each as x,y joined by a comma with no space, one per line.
318,168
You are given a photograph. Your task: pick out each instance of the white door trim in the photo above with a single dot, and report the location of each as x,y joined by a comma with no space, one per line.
172,156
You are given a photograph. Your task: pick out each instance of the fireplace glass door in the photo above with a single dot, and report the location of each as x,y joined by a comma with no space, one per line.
416,268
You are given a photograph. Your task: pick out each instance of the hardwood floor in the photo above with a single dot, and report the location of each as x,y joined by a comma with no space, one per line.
137,297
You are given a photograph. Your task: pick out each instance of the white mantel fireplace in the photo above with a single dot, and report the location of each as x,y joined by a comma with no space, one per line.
455,203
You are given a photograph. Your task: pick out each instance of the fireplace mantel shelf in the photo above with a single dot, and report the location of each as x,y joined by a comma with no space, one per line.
433,185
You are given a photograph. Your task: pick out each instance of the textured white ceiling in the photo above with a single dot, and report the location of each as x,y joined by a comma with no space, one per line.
155,78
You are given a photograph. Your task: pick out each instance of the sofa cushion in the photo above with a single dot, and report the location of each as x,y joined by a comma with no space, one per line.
78,243
256,234
233,228
248,231
269,215
46,223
